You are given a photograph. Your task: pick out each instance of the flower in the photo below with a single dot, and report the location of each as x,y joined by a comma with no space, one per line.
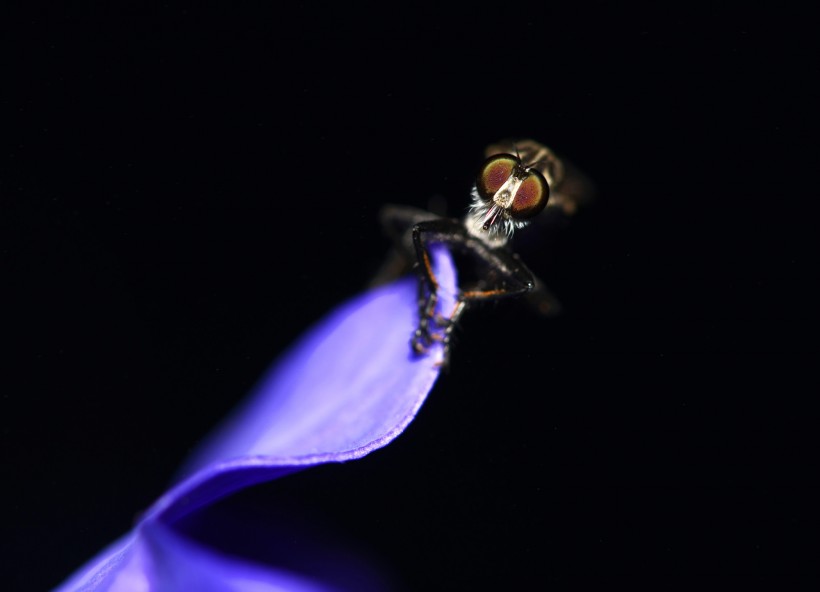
350,386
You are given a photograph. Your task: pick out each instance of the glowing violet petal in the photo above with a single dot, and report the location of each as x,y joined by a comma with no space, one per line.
154,558
348,387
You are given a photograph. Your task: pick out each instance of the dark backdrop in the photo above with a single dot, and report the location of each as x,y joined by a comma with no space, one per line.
184,192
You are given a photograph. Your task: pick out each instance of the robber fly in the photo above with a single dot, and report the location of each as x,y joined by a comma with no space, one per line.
517,181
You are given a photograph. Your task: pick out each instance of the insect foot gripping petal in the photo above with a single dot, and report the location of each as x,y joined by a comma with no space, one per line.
438,309
447,325
428,330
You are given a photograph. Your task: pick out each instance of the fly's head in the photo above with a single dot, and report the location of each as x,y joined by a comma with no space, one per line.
507,194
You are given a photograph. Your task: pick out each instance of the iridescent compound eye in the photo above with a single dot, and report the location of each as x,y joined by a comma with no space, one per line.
495,172
531,197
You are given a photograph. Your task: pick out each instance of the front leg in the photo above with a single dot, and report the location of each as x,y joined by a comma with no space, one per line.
504,275
425,234
425,335
501,272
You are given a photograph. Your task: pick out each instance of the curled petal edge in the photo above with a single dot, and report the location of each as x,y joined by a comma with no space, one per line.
258,442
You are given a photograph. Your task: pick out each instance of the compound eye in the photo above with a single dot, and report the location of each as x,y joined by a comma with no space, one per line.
531,198
494,173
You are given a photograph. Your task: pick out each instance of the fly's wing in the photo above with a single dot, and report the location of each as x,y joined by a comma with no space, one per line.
576,191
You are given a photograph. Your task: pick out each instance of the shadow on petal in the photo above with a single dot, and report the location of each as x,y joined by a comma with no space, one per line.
180,563
285,539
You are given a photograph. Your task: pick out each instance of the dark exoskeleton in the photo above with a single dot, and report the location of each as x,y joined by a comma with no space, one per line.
517,181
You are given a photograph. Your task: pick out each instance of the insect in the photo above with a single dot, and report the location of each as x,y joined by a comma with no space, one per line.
516,182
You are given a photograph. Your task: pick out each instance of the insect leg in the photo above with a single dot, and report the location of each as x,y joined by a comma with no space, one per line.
426,233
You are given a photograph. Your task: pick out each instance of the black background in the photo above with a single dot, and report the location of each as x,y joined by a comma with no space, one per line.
184,192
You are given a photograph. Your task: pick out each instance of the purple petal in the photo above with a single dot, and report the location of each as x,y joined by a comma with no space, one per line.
155,558
124,556
348,387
